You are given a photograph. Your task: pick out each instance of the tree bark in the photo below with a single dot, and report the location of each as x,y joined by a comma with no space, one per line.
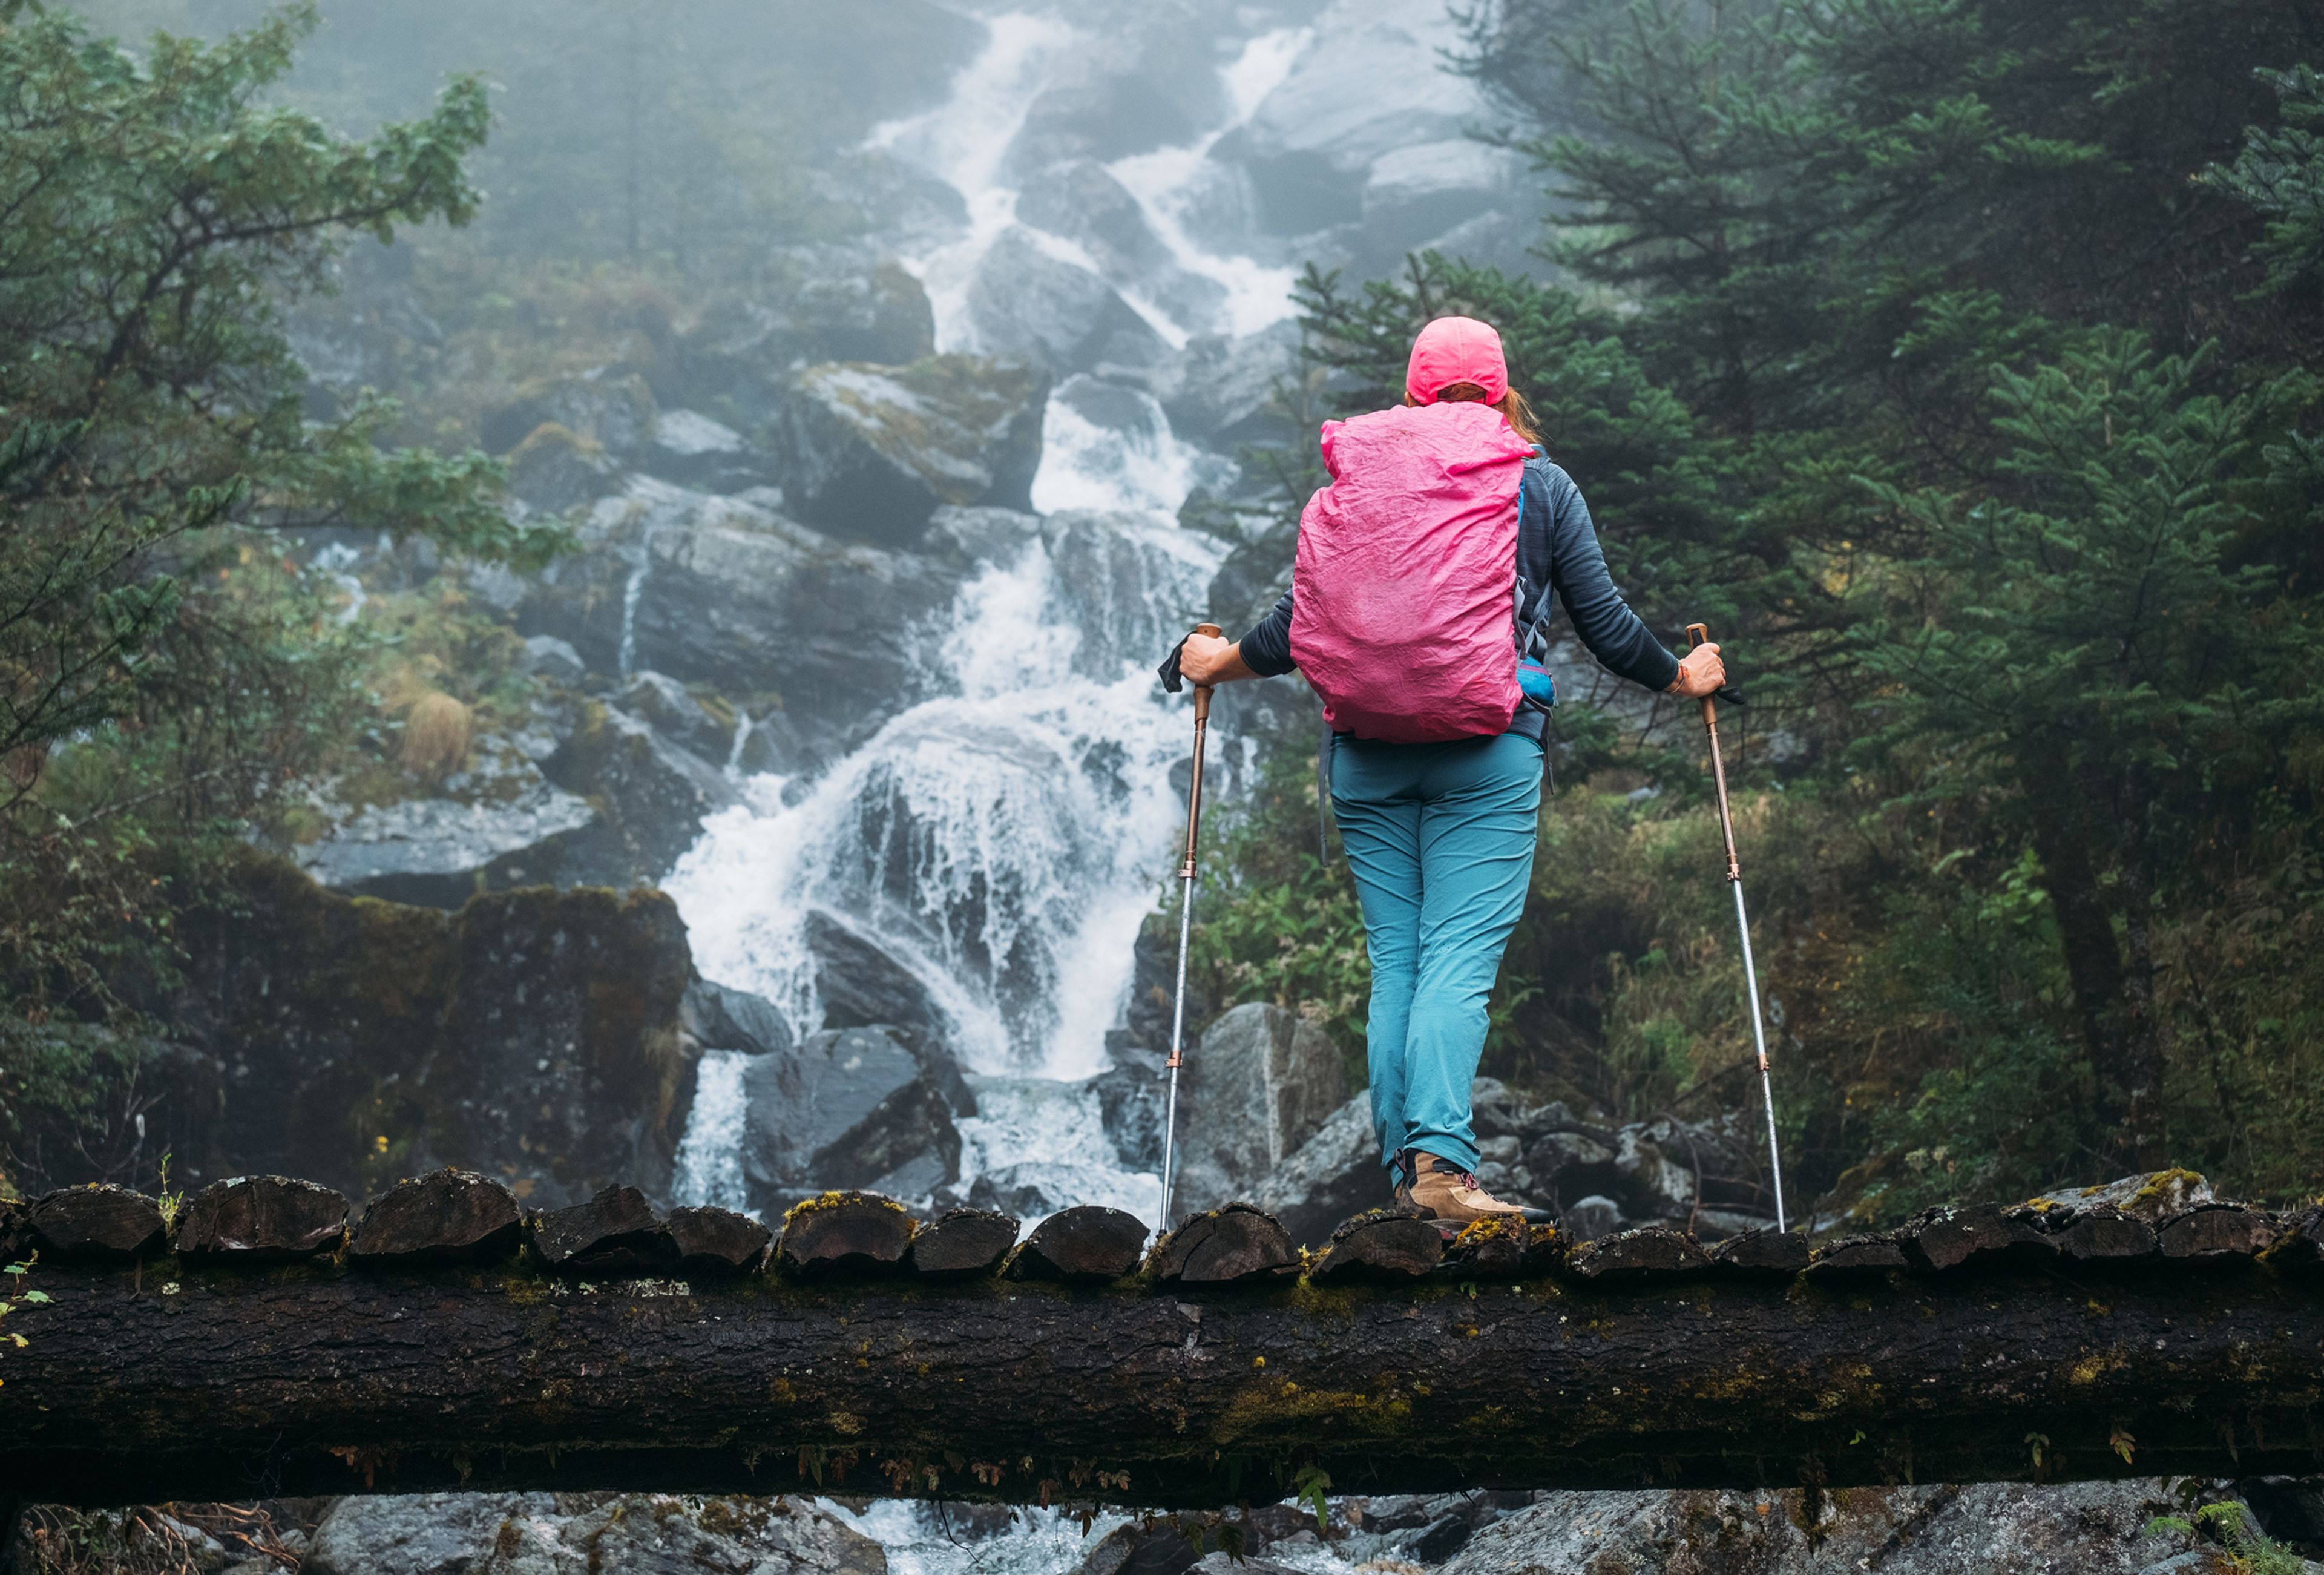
178,1381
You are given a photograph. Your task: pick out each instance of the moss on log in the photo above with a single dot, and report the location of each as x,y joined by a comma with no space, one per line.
177,1380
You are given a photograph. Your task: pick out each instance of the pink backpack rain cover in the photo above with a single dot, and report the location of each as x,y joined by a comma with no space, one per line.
1404,594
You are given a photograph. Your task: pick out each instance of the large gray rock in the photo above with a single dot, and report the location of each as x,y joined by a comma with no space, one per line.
721,1017
2004,1528
653,794
554,471
814,637
850,1107
533,1034
1258,1087
583,1534
615,414
1334,1176
861,986
498,825
868,453
808,305
1024,301
1080,201
693,450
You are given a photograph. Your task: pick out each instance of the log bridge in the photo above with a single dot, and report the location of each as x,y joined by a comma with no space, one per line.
259,1343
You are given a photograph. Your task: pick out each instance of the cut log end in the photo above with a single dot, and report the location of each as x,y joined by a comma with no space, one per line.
713,1242
965,1242
1237,1242
862,1232
613,1233
1381,1246
262,1219
1081,1246
449,1216
98,1223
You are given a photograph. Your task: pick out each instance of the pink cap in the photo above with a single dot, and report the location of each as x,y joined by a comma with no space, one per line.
1452,350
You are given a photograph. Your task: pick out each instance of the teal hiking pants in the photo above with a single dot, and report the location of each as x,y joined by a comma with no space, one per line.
1440,838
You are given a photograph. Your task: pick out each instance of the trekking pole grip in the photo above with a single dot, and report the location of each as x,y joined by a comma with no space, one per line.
1203,691
1700,634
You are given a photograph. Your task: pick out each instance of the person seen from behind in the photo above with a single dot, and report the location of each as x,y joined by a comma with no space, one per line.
1417,611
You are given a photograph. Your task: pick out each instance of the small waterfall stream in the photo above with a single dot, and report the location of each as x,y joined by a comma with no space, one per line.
1004,838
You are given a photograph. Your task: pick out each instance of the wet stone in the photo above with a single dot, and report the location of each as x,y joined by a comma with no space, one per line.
16,1229
1651,1249
100,1223
712,1241
2299,1246
613,1233
259,1218
851,1232
1238,1242
1380,1245
1081,1245
449,1216
965,1242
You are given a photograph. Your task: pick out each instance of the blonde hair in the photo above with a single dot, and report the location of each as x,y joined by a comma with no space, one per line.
1512,406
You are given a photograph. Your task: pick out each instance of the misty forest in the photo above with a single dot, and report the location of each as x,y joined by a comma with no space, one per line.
580,588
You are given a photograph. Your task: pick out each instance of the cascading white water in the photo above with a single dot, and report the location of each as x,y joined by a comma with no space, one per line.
1003,838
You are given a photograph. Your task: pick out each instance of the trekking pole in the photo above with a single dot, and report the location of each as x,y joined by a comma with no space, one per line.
1698,634
1185,929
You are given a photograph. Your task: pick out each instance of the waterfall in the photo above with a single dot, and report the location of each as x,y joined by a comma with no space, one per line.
1004,838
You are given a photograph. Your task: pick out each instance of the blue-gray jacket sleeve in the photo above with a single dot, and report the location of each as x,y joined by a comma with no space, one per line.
1564,553
1266,649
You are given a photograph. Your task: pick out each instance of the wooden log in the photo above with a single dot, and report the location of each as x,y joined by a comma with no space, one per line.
1496,1248
963,1243
1762,1255
2104,1235
1949,1238
2217,1232
16,1229
713,1241
262,1219
1080,1245
447,1216
1854,1256
1650,1250
857,1232
1380,1245
1237,1242
323,1377
97,1223
613,1233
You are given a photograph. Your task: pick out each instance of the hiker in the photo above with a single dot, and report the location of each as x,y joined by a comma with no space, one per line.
1404,617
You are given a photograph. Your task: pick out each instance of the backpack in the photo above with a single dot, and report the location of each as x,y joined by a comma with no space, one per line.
1406,578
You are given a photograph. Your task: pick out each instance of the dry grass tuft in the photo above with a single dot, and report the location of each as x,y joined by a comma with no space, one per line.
436,733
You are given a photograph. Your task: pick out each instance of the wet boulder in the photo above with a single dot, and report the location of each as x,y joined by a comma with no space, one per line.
654,795
808,306
868,453
861,986
533,1032
673,711
721,1017
1058,313
690,448
615,414
850,1107
542,1534
1334,1176
812,634
1266,1081
555,470
1079,201
497,825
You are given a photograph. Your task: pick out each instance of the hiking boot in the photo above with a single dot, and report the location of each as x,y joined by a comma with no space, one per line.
1440,1189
